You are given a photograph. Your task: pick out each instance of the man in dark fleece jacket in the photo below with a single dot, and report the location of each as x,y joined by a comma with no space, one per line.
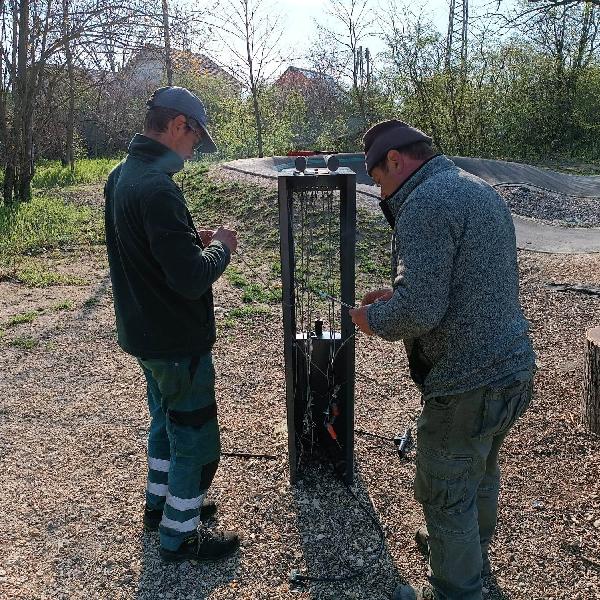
162,270
454,303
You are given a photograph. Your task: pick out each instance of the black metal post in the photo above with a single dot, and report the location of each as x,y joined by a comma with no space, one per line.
302,350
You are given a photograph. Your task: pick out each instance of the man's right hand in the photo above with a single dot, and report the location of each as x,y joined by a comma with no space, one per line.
226,236
380,294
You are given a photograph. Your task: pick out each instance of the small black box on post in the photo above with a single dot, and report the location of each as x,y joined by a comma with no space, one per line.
317,222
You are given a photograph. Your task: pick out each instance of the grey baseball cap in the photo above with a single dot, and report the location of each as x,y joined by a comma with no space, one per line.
189,105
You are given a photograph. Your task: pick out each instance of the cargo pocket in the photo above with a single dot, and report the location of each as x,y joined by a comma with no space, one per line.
172,378
503,406
202,377
195,445
441,481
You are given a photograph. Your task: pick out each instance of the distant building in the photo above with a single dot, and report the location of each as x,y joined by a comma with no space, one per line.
147,67
305,80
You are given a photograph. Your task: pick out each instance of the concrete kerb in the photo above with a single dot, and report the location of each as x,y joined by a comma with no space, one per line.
531,234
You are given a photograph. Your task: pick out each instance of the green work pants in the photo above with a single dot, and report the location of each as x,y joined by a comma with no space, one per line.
183,442
457,479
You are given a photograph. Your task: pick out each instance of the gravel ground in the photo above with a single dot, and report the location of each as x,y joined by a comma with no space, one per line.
551,207
72,449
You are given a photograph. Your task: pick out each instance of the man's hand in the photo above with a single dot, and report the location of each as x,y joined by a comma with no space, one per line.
380,294
206,236
226,236
359,317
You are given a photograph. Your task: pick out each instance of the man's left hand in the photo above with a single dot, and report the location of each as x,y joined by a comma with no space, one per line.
359,317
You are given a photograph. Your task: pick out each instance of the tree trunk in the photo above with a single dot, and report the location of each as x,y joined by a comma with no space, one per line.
248,29
258,121
591,382
167,41
22,128
69,158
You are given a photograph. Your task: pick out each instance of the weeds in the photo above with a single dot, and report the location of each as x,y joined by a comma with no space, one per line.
252,292
235,277
26,317
245,313
24,342
64,305
34,276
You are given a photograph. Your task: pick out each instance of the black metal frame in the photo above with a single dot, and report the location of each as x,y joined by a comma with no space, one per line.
289,182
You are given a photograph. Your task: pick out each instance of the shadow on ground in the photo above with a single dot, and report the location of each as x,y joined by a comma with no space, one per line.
493,590
343,542
190,580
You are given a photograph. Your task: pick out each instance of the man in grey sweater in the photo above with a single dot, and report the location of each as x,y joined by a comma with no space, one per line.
454,303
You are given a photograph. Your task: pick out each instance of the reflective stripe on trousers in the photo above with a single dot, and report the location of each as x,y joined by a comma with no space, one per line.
183,447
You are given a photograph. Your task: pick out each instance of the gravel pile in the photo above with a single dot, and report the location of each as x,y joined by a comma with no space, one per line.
551,207
73,423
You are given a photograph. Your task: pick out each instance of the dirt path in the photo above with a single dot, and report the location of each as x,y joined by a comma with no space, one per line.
72,451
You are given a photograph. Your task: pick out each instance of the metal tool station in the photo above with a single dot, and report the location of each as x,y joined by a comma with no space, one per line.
317,221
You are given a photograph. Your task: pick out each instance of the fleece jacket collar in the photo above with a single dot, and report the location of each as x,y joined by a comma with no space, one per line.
151,151
392,204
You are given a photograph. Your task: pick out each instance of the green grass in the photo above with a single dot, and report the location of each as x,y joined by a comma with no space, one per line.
235,277
24,342
51,174
45,223
254,212
34,276
253,292
64,305
26,317
39,226
245,313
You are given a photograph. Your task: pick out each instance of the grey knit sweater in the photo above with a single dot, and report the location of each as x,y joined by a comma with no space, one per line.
455,278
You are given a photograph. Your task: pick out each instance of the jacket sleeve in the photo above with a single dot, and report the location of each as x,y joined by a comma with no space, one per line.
425,240
189,270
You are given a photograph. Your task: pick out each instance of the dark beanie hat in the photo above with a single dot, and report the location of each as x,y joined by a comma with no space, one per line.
386,136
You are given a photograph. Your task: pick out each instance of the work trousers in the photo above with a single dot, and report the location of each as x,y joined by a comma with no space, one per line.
183,442
457,479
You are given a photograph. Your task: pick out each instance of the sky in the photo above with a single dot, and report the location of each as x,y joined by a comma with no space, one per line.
300,18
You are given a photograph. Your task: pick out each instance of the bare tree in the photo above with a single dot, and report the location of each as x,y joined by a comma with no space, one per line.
416,52
44,40
352,25
251,33
35,35
27,29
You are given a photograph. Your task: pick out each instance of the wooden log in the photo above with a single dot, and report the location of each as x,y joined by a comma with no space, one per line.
590,406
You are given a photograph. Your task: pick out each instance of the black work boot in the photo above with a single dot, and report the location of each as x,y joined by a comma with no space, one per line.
152,518
204,546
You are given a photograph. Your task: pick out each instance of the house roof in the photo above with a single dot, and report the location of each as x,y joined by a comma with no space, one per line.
309,74
184,60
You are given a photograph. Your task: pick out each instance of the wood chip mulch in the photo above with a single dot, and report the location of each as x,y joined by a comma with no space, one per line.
73,424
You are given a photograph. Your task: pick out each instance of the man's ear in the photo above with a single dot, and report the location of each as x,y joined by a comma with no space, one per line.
397,160
178,123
